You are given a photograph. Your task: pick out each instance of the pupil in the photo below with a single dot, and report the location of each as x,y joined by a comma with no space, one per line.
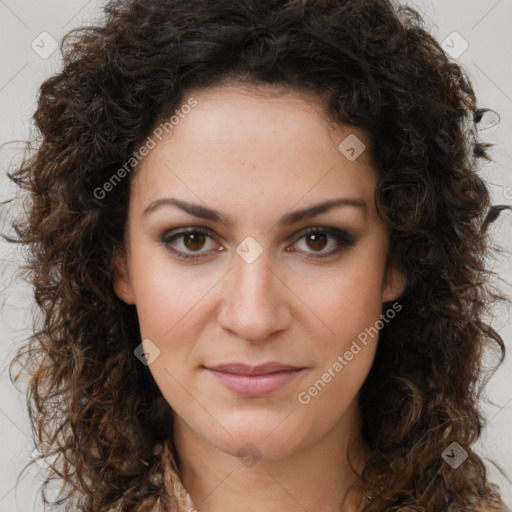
197,238
316,238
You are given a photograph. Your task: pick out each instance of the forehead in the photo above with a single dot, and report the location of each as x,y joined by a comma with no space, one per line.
279,117
255,144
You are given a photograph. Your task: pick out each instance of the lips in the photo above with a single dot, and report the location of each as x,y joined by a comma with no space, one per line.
254,381
262,369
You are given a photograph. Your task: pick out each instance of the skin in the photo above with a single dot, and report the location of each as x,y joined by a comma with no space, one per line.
255,154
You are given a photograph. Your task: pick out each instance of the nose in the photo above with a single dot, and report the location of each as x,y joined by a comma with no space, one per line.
254,303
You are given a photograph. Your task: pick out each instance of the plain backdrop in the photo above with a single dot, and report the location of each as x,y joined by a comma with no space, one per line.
477,33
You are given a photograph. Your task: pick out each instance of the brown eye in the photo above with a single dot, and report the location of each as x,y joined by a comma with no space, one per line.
194,241
185,243
317,241
318,238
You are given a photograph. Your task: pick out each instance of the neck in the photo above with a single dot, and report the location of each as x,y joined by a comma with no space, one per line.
316,478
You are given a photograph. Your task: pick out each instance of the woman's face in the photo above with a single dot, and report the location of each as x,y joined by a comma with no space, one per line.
258,286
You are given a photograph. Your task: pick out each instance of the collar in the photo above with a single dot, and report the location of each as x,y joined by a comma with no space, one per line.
176,497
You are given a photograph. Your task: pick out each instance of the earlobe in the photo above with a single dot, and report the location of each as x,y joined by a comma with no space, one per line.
121,281
394,285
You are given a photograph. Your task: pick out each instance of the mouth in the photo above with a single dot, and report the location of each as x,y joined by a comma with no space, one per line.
254,381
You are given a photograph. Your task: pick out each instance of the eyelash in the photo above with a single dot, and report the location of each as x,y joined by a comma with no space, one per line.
343,238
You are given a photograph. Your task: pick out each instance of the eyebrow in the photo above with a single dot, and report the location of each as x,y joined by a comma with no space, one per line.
204,212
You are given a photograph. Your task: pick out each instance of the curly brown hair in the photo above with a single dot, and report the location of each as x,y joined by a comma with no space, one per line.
371,62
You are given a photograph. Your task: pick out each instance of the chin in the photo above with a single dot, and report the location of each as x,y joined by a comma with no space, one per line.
269,441
250,449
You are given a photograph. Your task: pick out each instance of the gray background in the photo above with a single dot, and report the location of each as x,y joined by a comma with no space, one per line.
483,25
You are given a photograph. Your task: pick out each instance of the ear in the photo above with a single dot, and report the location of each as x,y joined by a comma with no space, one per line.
394,284
121,281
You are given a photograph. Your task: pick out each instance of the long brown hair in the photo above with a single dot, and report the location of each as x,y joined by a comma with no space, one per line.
94,407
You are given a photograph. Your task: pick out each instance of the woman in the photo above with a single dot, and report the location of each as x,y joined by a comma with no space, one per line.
257,236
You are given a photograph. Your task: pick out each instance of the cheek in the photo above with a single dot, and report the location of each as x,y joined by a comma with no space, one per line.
352,301
347,354
165,294
330,393
351,307
172,307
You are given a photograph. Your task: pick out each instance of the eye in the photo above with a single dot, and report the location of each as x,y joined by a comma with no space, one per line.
193,239
317,238
195,242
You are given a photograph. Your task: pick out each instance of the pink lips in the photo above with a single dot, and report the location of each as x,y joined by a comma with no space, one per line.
254,381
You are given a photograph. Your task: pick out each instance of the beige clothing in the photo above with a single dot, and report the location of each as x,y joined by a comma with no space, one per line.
177,498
